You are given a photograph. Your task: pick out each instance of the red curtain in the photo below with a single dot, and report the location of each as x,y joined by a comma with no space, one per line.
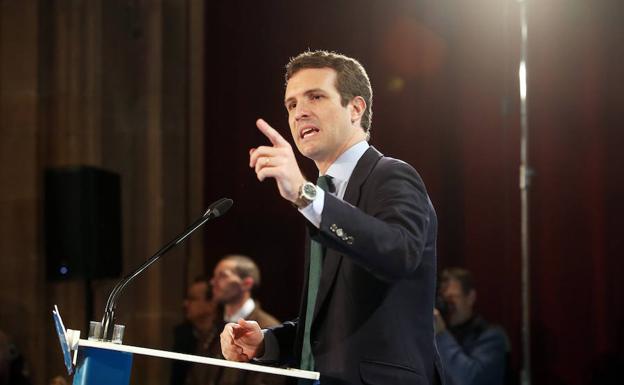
446,100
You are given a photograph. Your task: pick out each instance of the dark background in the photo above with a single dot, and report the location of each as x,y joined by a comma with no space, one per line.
166,94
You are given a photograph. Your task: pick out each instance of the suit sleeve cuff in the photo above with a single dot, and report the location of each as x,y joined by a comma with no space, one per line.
271,348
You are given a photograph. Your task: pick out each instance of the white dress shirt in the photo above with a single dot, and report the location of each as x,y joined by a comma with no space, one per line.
248,307
340,171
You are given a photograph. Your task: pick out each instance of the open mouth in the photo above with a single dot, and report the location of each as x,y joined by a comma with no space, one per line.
307,132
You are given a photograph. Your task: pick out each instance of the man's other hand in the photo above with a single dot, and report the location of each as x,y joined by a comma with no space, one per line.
242,341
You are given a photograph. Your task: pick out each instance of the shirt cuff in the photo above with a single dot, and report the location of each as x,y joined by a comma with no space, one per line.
313,211
271,347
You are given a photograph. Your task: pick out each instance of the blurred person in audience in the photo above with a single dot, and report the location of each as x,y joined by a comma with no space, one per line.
473,351
234,280
201,316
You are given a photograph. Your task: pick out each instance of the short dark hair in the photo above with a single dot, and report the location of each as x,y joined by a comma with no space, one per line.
463,276
245,267
351,81
204,279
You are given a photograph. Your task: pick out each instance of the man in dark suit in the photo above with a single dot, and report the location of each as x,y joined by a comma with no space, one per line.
366,315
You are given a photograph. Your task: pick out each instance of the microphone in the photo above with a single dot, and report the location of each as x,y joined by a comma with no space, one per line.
219,207
215,210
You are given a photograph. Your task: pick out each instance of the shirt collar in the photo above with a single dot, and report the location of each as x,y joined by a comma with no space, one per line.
343,167
248,307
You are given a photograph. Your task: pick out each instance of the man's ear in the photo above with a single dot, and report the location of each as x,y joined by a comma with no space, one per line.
358,106
472,297
248,283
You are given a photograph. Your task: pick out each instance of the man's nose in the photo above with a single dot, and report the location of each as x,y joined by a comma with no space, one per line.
301,111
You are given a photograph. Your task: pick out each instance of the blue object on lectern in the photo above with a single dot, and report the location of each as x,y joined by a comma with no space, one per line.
60,330
102,367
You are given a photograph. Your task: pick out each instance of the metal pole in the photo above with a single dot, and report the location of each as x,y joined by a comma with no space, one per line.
525,182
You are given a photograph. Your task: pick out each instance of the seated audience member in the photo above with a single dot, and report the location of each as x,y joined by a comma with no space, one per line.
473,351
200,325
234,279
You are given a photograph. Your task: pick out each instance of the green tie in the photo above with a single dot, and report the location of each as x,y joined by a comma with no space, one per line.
317,251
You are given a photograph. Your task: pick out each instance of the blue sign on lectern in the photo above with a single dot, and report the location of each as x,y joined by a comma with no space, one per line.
95,365
60,330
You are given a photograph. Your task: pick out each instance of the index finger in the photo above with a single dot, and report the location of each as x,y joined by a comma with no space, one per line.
268,131
229,329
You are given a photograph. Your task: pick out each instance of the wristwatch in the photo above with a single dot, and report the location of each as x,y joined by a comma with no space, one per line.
307,193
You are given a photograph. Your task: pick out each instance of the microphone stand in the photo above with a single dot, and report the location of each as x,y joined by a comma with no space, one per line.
215,210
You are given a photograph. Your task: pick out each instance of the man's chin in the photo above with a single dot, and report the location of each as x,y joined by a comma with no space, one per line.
310,151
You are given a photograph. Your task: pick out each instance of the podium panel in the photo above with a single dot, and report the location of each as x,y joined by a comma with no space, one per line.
107,363
98,366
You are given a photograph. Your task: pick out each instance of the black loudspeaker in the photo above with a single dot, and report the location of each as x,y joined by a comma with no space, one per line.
82,211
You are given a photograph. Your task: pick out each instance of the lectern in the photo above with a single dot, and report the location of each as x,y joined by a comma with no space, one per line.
107,363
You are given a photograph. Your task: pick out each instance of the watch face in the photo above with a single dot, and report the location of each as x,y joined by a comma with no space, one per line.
309,191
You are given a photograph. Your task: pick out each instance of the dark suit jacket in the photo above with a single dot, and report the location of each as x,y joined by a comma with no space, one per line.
373,320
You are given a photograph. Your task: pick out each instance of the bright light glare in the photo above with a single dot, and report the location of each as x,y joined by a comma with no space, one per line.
522,78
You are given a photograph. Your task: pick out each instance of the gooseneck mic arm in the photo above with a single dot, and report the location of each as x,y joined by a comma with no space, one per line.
215,210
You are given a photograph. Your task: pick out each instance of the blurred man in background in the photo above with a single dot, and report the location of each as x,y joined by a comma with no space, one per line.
200,325
233,282
473,351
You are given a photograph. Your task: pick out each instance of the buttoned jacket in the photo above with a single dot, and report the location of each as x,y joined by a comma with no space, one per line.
373,320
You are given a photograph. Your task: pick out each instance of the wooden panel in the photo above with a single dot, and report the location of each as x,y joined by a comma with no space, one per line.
22,312
104,83
196,53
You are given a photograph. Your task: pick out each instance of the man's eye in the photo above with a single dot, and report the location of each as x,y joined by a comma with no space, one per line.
316,97
291,106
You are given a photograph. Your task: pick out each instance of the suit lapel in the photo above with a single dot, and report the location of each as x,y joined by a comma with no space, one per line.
352,195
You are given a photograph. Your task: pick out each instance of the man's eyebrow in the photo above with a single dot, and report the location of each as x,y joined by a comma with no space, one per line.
307,92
